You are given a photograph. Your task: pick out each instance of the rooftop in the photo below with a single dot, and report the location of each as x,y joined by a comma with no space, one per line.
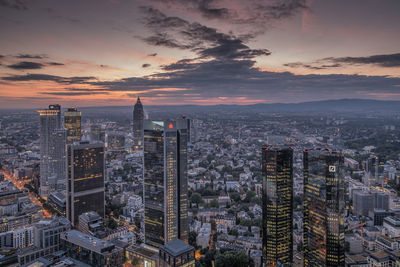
176,247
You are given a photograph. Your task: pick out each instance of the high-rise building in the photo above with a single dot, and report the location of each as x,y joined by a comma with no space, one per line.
138,118
72,123
50,120
277,167
85,187
57,160
165,181
324,204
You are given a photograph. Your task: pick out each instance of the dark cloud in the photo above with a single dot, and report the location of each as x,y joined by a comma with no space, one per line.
146,65
30,56
47,77
162,39
1,56
55,64
257,13
240,78
15,4
206,42
26,65
152,55
389,61
73,93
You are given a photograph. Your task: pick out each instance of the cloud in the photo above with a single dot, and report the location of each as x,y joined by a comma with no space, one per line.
206,42
389,61
146,65
74,93
55,64
47,77
256,13
15,4
26,65
241,79
30,56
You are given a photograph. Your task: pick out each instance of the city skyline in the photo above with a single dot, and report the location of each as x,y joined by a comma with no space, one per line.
96,53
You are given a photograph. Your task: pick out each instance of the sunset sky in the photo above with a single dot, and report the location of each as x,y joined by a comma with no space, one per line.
108,52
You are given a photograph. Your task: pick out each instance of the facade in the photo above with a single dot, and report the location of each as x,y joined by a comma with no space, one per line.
324,204
277,166
142,255
72,123
138,118
91,223
91,250
177,253
85,189
46,239
19,238
165,181
50,120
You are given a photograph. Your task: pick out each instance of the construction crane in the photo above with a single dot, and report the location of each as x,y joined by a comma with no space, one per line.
361,226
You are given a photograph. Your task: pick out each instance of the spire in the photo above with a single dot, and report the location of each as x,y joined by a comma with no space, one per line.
138,100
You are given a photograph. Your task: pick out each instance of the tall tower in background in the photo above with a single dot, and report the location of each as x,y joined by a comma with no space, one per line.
165,181
85,188
277,167
72,123
50,120
138,118
324,203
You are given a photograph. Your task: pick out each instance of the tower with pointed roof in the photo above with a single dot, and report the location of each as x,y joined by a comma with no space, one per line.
138,117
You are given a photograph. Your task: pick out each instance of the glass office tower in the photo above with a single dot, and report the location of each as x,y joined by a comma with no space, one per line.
165,181
85,190
72,123
324,203
277,167
50,120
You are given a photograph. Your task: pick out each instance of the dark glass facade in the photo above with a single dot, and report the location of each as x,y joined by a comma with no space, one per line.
85,191
72,123
165,181
277,167
324,203
138,117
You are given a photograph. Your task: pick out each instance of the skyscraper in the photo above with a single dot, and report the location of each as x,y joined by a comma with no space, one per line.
138,117
50,120
165,181
277,167
85,188
72,123
324,202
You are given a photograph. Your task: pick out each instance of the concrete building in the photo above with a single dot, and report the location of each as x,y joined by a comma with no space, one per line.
177,254
91,250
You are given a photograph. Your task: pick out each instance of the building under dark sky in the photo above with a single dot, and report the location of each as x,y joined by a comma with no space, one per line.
165,181
277,167
72,123
50,120
138,117
85,190
324,203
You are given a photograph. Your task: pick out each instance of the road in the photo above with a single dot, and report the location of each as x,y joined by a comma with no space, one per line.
20,184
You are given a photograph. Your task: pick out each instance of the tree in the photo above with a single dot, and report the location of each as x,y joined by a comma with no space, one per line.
192,238
234,232
233,259
196,198
214,203
235,196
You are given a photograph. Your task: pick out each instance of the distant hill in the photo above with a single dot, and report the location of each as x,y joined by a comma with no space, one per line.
341,105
